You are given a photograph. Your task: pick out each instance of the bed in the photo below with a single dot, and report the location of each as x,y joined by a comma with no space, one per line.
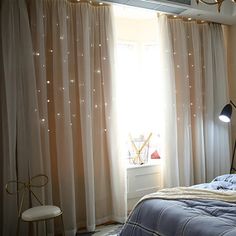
202,210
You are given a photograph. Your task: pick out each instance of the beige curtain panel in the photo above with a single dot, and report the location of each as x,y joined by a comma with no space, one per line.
60,109
196,143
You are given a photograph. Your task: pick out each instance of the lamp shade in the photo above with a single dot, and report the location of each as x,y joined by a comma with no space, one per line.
226,113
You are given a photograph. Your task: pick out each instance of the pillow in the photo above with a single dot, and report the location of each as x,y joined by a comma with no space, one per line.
216,185
231,178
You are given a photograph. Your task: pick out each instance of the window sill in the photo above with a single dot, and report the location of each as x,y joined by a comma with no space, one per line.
150,163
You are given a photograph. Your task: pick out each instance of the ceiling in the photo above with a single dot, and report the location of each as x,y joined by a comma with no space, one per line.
188,8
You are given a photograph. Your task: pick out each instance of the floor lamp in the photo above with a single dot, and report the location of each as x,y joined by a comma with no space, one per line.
225,116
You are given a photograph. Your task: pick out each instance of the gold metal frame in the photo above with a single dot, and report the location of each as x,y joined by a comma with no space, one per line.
27,186
137,158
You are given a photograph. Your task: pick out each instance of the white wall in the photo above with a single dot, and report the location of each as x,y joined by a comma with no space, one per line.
135,24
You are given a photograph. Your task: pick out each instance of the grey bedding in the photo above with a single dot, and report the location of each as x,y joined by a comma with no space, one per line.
185,217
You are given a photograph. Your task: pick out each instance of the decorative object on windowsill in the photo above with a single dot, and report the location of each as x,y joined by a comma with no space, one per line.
140,146
214,2
37,213
225,116
155,155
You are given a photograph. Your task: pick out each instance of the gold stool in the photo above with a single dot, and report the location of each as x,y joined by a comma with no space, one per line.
38,213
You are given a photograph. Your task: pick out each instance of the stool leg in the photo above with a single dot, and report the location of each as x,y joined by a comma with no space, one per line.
37,228
63,228
18,227
46,226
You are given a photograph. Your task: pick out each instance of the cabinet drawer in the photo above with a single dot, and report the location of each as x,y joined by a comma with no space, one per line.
143,180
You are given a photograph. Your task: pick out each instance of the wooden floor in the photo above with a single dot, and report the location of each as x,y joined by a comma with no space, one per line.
103,230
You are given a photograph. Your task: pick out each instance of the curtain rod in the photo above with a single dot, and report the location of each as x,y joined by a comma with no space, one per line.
91,2
190,19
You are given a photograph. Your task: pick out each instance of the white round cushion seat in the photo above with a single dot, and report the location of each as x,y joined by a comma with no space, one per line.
41,213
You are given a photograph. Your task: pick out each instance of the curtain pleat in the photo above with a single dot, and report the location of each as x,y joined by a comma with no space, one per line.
216,96
168,113
184,141
196,86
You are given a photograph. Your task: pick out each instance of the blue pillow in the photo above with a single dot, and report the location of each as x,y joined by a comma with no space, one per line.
231,178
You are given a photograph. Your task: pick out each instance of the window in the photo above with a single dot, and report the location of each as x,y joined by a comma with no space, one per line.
137,91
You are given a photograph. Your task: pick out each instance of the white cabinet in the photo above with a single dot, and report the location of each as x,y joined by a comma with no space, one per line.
142,180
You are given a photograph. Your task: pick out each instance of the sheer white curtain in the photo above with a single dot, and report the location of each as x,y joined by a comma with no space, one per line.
60,108
196,144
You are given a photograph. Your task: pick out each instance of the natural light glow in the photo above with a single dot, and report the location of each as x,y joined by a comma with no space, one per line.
138,88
